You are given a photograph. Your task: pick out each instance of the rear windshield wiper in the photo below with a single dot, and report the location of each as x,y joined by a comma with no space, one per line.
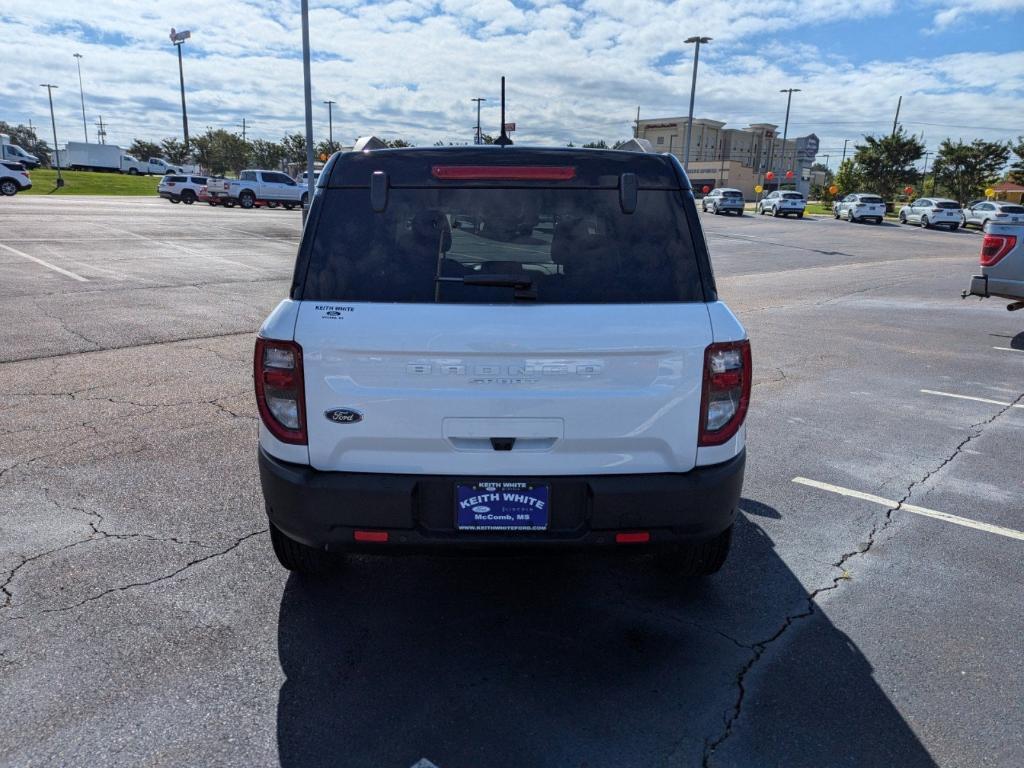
523,286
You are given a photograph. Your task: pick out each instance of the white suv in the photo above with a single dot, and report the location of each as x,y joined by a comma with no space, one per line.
497,347
782,203
14,178
180,189
931,212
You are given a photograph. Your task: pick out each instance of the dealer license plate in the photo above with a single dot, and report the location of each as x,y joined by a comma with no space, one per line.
501,506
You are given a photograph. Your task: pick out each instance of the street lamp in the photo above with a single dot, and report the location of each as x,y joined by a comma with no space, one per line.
81,92
785,128
56,157
479,137
330,125
308,97
177,38
693,89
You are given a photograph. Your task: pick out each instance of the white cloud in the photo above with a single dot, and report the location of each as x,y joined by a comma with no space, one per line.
410,68
949,15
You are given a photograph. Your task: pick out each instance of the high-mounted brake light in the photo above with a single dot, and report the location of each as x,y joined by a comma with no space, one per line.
995,247
280,389
726,395
503,172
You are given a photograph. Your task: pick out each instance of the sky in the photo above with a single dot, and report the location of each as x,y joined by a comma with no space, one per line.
577,71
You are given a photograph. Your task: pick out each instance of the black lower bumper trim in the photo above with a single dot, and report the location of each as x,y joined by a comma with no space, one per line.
324,509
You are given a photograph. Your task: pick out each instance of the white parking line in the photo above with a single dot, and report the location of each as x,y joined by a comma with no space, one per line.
1008,349
966,522
46,264
969,397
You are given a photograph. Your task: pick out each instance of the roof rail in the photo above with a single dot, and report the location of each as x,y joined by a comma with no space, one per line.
635,145
366,143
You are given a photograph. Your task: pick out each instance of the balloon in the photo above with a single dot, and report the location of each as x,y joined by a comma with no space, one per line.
706,189
759,189
769,176
789,174
908,190
833,189
990,192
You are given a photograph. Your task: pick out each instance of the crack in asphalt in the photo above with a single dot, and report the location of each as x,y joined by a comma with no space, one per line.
149,582
759,648
154,343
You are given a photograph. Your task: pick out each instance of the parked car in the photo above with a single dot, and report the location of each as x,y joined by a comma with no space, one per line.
14,178
723,200
1002,265
256,187
162,166
181,189
860,206
782,203
981,212
590,390
932,212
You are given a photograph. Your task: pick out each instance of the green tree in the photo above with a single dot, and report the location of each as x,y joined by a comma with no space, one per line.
219,151
173,150
819,191
266,154
847,178
1017,169
294,147
143,150
395,143
887,163
27,139
965,170
599,144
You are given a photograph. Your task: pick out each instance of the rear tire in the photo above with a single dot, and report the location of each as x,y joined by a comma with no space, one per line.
903,218
835,214
174,200
775,212
800,215
924,223
704,559
299,558
132,172
188,197
289,206
954,227
8,188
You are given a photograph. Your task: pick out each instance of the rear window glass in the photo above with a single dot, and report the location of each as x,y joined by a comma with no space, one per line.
947,205
793,196
177,179
732,193
1012,208
871,199
571,246
198,179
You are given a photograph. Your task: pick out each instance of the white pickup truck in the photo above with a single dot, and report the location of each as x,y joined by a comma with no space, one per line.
1002,265
253,188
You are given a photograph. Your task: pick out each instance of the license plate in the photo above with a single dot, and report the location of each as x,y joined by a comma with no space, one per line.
501,506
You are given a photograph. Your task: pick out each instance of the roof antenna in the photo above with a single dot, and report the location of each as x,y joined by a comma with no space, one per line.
503,140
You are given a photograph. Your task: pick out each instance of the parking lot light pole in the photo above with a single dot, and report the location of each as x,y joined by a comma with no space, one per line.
693,89
56,158
785,128
308,95
178,38
330,125
81,92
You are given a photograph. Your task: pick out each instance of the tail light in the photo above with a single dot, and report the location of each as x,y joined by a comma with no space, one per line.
726,395
280,389
995,247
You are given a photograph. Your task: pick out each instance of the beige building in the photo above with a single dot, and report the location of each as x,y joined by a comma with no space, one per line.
732,157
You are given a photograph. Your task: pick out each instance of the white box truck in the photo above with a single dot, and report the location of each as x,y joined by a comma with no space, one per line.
80,156
12,153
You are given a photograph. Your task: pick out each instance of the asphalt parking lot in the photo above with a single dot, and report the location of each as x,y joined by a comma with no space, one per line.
869,615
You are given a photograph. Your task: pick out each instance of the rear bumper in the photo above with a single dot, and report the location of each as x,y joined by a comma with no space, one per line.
168,195
324,509
985,286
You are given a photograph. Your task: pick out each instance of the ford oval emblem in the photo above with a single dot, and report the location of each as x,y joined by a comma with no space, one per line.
343,416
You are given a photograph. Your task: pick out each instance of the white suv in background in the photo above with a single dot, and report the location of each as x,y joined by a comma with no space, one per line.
494,348
14,178
782,203
180,189
860,206
932,212
723,200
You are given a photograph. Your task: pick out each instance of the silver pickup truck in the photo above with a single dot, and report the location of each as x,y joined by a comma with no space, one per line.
1002,265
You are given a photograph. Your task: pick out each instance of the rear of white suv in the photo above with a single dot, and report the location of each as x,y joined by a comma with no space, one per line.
14,178
502,348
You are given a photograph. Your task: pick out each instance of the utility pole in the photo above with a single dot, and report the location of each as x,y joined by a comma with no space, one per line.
101,132
636,125
785,127
81,92
479,137
308,96
924,176
898,104
178,39
330,124
826,161
845,142
243,130
693,90
56,158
